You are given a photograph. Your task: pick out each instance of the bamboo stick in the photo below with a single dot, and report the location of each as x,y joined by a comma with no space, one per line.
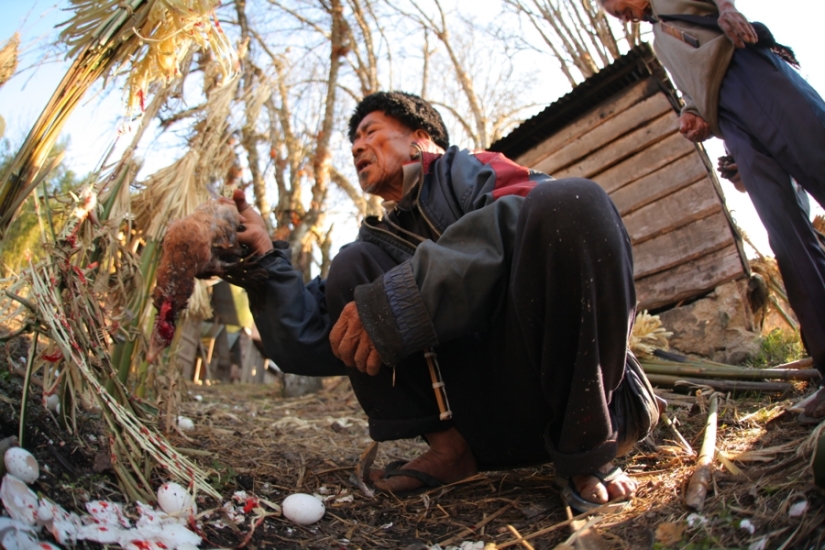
667,422
720,385
698,487
728,373
799,364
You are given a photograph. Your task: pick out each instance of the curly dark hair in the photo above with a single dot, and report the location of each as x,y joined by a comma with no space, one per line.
408,109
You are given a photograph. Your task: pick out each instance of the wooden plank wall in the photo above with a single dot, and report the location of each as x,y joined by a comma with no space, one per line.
683,244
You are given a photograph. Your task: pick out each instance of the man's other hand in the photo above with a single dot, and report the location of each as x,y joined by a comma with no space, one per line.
253,232
694,127
351,343
735,26
730,171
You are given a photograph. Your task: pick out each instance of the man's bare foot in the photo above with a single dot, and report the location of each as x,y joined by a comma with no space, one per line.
449,459
815,410
593,490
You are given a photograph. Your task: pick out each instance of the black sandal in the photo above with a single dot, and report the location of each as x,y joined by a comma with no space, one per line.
395,469
582,505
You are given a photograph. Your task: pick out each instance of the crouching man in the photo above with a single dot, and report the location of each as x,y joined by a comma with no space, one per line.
519,286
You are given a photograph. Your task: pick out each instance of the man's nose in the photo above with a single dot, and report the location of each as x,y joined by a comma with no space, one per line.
357,147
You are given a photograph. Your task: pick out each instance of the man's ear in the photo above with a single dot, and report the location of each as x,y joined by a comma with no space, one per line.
425,142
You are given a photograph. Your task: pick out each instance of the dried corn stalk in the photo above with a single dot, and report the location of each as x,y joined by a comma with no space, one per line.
648,334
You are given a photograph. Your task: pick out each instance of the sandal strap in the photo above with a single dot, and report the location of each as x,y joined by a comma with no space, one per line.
395,469
611,476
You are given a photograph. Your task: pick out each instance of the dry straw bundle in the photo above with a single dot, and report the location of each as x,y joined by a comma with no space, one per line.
62,305
648,334
63,298
148,36
8,58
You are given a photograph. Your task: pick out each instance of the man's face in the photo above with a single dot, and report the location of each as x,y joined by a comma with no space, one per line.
627,10
382,145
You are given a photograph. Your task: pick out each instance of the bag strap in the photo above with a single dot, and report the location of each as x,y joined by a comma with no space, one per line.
764,35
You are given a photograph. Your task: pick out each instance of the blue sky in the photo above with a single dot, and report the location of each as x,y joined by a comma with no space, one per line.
94,125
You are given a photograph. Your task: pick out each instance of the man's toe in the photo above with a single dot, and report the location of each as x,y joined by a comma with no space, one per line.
590,488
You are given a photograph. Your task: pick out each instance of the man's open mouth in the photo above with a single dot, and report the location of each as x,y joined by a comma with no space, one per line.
363,163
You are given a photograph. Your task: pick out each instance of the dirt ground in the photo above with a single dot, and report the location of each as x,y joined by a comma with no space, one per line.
251,439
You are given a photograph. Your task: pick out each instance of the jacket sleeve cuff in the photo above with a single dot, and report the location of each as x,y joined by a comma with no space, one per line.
393,314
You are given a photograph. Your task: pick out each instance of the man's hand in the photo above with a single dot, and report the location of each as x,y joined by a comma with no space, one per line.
351,343
730,171
253,234
694,127
734,25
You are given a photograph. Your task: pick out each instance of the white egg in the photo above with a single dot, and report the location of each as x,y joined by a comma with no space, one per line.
174,499
21,464
302,508
53,402
185,423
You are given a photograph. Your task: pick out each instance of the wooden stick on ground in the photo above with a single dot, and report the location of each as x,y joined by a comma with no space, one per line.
540,533
680,438
799,364
475,528
720,385
698,487
519,538
584,537
727,373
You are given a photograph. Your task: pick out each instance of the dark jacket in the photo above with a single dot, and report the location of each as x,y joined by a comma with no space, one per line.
440,290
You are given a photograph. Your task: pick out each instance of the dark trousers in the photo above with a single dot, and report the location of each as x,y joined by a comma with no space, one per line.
536,387
774,125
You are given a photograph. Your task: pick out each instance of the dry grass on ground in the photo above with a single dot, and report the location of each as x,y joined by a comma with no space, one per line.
252,439
271,447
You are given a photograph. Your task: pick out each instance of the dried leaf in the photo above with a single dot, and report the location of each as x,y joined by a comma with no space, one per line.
670,533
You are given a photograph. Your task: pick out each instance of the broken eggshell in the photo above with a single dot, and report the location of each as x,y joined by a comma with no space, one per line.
21,464
175,500
20,501
302,508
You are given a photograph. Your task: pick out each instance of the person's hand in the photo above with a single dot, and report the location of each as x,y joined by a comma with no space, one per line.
351,343
735,26
694,127
730,171
253,231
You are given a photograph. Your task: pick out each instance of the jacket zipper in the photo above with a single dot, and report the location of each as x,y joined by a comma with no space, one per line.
418,196
393,235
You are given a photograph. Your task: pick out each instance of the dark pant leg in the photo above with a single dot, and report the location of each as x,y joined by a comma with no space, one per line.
550,362
570,308
774,124
400,406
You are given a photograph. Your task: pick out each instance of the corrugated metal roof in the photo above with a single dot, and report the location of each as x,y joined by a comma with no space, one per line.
636,65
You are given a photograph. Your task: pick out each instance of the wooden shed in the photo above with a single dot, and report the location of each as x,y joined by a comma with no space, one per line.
620,128
209,350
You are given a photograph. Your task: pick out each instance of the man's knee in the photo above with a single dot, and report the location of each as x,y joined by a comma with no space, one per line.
356,264
576,199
